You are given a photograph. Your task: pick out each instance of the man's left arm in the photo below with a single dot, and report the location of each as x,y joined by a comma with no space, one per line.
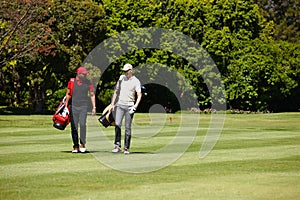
93,98
138,100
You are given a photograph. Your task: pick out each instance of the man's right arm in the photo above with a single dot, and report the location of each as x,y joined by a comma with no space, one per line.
68,97
68,93
113,99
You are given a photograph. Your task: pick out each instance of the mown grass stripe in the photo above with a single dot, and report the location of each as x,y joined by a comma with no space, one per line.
256,157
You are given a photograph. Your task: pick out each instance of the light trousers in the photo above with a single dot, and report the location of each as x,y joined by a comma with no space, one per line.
121,112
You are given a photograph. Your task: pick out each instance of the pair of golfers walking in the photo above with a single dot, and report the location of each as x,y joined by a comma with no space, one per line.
123,104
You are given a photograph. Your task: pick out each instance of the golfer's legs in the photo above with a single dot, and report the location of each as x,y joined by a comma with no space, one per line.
82,123
118,124
128,121
74,126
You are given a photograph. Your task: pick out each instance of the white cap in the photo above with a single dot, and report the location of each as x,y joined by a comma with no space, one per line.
127,67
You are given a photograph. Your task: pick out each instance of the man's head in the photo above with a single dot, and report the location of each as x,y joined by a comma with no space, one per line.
127,68
81,72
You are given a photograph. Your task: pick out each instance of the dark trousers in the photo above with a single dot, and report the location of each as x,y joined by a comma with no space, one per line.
78,116
121,112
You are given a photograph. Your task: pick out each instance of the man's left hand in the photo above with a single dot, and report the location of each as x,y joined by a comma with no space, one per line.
132,109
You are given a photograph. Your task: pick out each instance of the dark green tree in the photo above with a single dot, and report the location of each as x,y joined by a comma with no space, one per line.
263,75
286,16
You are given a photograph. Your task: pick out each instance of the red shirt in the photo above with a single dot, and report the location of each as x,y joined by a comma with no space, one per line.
79,82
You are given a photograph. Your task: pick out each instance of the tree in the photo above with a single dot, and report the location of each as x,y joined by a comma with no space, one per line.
286,16
227,23
262,75
56,41
78,26
22,35
43,42
181,15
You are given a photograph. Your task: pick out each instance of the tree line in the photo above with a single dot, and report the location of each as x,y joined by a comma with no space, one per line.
254,44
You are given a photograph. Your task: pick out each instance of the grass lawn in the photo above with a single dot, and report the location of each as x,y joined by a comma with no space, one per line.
257,156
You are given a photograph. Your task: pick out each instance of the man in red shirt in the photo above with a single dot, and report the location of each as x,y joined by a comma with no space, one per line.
79,92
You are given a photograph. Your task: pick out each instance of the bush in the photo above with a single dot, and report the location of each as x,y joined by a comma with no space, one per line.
53,100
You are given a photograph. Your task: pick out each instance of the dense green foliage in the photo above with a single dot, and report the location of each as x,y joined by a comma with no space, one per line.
63,42
255,45
286,16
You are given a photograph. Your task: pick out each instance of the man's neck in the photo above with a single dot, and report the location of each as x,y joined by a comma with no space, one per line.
129,76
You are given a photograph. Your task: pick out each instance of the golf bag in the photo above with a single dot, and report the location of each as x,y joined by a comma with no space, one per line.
61,117
107,118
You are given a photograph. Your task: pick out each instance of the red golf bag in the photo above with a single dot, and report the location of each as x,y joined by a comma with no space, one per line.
61,117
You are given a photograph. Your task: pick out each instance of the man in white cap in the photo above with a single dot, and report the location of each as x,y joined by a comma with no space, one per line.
125,93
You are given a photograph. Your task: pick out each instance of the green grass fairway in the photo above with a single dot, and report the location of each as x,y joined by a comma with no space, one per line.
256,157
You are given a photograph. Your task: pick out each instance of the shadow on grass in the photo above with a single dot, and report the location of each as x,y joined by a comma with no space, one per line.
88,152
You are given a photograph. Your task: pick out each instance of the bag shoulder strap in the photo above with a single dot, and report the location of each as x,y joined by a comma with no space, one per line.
72,80
121,79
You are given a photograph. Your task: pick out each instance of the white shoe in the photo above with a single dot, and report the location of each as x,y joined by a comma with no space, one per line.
82,150
75,150
126,151
116,150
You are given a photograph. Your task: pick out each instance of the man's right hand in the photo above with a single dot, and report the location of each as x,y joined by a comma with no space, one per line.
112,108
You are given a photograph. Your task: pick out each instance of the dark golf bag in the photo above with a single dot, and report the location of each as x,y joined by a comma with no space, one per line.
61,117
107,118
